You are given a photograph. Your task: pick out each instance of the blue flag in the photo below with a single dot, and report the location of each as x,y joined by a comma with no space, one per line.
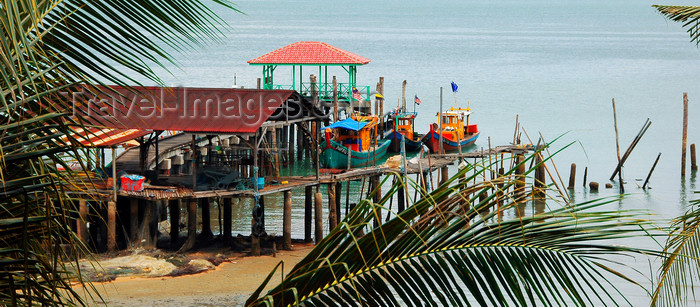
454,86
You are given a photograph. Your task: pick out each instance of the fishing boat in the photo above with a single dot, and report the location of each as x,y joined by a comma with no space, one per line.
356,137
403,129
456,131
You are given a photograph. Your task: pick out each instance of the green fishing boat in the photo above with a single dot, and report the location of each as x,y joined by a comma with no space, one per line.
353,141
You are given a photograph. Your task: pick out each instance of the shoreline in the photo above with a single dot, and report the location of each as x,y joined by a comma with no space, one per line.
228,284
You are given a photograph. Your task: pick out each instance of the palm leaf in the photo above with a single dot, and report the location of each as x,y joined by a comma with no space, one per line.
451,248
49,50
680,270
689,16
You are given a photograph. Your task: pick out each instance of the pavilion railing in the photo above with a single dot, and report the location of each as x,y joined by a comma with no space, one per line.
325,90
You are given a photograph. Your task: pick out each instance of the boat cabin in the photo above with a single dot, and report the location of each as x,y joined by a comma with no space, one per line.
354,133
403,123
455,123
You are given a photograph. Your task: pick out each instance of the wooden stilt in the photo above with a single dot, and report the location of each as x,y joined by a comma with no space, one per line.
205,207
191,225
111,226
145,237
685,132
254,239
338,196
82,220
377,197
174,205
401,193
300,142
290,144
134,220
287,221
332,214
318,219
444,175
572,176
308,212
693,165
519,177
539,176
227,218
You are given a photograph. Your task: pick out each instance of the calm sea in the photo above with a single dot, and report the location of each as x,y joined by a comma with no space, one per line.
555,64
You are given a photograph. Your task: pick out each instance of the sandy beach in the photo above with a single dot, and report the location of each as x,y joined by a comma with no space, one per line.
229,284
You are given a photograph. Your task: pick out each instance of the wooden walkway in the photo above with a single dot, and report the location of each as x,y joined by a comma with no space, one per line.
427,164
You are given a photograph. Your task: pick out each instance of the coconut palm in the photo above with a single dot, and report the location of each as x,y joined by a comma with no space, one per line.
461,245
682,267
48,49
688,15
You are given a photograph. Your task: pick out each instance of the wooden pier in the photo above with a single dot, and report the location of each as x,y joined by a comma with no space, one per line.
215,158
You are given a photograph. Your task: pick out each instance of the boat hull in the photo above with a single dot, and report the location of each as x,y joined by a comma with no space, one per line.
336,155
411,145
432,140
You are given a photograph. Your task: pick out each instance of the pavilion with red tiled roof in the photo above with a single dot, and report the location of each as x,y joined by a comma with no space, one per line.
312,54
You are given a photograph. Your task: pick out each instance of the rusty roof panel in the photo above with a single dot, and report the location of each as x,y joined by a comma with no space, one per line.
198,110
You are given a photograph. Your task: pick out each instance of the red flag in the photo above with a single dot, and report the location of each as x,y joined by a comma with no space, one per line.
416,99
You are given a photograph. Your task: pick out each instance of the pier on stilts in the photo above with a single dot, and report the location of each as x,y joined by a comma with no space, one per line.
215,158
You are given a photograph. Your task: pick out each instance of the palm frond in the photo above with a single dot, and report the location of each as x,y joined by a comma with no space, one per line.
680,270
452,248
689,16
50,49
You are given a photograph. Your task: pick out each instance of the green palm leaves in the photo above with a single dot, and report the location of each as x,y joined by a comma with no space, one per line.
455,246
47,49
682,266
688,15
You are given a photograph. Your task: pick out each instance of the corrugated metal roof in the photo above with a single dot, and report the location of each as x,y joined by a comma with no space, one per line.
189,109
310,53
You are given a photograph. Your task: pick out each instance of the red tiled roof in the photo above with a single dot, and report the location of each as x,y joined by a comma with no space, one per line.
197,110
310,53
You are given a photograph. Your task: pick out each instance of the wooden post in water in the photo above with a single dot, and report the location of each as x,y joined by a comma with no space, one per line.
401,193
111,226
82,220
133,220
174,205
332,214
338,197
585,176
444,174
290,144
254,239
646,181
318,218
685,132
539,176
519,177
308,209
300,142
287,221
227,218
572,176
693,165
